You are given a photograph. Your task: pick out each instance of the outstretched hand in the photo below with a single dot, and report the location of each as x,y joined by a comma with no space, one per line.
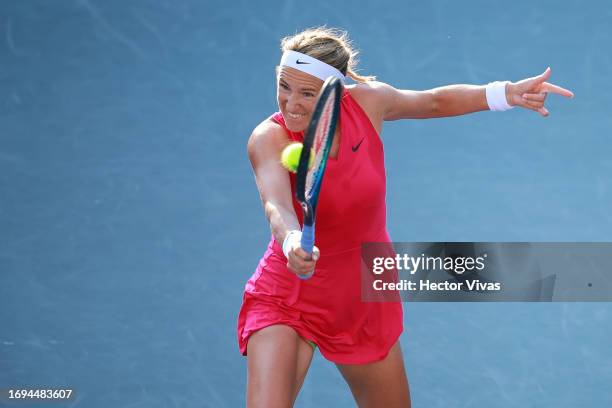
531,93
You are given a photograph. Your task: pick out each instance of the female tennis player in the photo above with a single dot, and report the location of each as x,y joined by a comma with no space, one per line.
283,319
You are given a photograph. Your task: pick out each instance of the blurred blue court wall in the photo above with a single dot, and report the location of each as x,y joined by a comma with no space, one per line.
130,220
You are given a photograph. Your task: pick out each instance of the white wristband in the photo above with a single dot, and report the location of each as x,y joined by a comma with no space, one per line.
496,96
292,239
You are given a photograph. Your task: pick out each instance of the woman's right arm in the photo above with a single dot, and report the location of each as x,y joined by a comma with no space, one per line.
264,148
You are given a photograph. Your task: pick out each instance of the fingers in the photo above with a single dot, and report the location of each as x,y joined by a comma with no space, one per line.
545,75
547,87
538,84
534,97
535,102
302,263
531,93
536,81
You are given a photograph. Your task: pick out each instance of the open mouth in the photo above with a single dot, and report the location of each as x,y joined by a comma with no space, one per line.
296,116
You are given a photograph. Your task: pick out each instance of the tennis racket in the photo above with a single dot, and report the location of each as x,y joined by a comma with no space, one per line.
318,139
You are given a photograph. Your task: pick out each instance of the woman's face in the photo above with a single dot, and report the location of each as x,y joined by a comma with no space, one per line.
296,94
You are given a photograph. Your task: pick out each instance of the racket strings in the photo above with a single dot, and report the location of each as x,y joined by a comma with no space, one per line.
320,143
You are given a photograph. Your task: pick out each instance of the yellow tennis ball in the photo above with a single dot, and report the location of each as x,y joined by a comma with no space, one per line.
290,158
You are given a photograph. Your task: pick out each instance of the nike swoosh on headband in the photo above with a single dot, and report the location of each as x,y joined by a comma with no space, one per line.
310,65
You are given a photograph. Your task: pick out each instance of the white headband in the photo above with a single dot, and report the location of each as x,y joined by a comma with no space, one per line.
310,65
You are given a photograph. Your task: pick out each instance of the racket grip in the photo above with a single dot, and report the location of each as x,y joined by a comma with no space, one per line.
307,242
306,277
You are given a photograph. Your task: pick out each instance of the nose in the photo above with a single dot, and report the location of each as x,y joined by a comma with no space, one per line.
292,101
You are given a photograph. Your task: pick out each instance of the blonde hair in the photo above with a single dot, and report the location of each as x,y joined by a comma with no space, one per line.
329,45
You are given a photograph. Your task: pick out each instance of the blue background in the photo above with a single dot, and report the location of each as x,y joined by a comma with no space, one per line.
130,220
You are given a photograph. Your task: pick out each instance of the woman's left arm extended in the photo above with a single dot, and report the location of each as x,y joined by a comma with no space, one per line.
454,100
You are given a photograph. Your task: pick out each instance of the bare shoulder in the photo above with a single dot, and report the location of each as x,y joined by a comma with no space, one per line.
268,129
370,88
268,138
373,97
372,94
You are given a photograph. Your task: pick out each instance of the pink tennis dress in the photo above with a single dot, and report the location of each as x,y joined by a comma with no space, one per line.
327,309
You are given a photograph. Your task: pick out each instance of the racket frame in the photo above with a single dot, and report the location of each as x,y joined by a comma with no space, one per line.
332,87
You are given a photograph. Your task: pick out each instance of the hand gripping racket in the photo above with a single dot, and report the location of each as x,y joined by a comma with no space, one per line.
318,140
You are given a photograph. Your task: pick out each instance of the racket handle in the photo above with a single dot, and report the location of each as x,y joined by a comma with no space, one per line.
307,243
306,277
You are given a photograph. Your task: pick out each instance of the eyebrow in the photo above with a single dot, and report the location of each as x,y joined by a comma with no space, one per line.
307,89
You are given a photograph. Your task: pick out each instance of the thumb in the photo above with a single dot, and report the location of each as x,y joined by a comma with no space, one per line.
543,77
